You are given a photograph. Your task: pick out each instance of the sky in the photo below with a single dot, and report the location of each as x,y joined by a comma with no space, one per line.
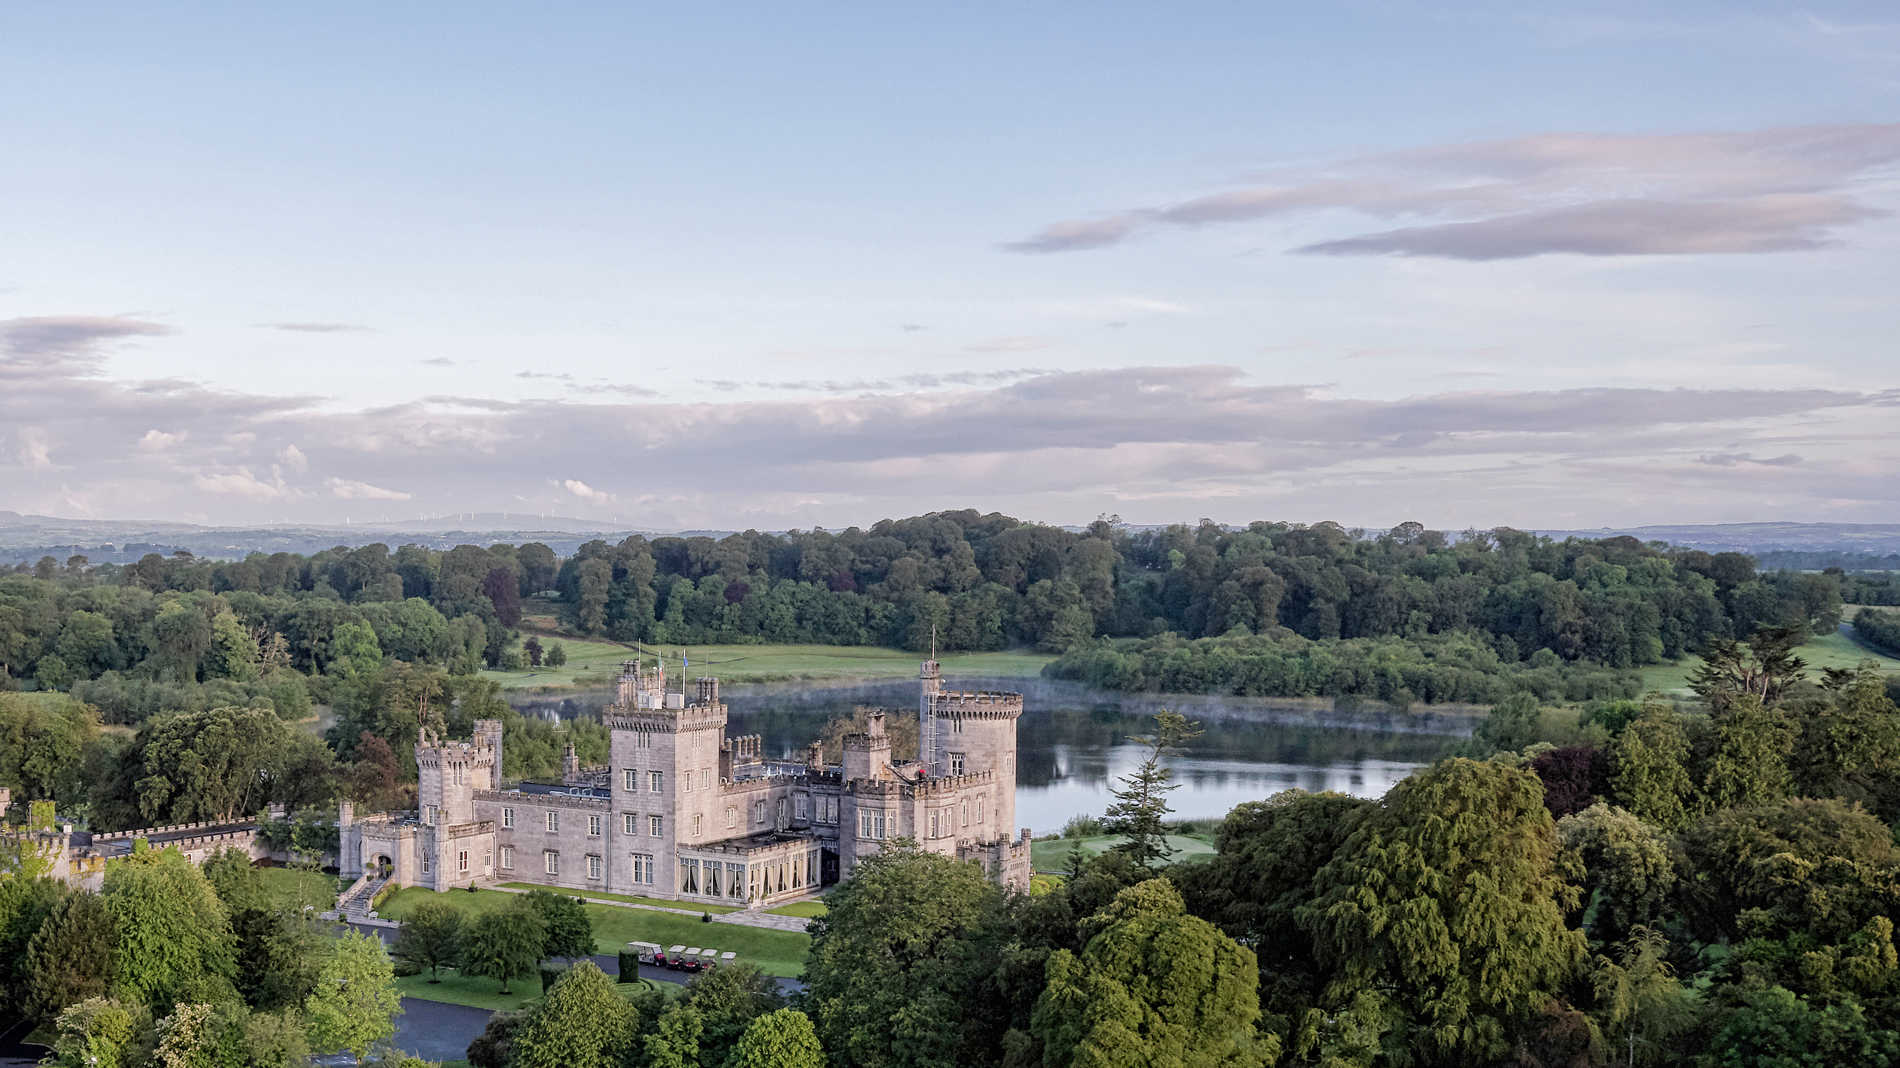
1472,264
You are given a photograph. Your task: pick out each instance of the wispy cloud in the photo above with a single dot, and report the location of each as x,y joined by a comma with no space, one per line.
316,328
65,342
1774,190
352,490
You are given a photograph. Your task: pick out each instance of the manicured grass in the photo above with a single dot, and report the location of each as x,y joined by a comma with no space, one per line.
1835,650
597,662
807,909
478,992
777,952
690,906
1053,854
292,887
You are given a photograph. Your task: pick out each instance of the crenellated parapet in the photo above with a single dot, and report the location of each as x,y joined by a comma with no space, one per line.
976,704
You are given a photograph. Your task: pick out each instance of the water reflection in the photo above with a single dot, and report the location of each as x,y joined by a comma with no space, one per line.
1072,743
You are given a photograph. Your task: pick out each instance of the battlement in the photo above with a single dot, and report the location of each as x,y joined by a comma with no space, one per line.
976,704
670,720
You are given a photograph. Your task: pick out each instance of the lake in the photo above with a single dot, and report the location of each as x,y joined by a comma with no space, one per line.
1072,742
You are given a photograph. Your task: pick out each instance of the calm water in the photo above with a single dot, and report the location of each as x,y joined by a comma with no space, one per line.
1072,742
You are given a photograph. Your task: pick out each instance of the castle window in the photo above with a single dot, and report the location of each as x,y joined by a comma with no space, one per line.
705,778
735,880
631,779
507,817
933,825
461,861
488,860
732,816
653,826
655,781
593,826
629,824
643,869
802,806
688,779
507,858
877,824
979,810
554,821
689,876
461,774
551,861
758,812
593,865
712,878
429,816
966,813
425,862
696,825
956,763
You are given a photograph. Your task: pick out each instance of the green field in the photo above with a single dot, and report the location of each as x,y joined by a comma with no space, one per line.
777,952
597,662
476,991
1052,854
295,888
807,909
1826,651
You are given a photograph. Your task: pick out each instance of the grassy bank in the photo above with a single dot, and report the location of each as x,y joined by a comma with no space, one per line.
1824,651
591,663
1052,854
295,888
777,952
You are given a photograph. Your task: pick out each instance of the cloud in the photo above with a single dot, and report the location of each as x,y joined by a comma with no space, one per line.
351,490
316,328
438,361
64,342
239,482
553,375
1774,190
1733,459
584,491
158,441
293,458
878,385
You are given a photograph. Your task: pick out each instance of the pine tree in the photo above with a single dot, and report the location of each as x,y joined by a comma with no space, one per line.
1141,802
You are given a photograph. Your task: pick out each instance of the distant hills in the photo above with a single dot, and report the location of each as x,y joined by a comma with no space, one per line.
29,537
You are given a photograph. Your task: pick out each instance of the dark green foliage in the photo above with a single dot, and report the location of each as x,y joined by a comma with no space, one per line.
583,1022
1649,772
26,903
504,945
1151,986
495,1045
1849,744
725,1001
566,931
1775,1028
1879,629
70,957
430,938
900,964
175,937
1446,898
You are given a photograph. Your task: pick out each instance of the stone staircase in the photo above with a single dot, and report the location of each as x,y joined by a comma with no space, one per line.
354,904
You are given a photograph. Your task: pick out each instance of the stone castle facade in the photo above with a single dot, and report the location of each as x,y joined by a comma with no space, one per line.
686,812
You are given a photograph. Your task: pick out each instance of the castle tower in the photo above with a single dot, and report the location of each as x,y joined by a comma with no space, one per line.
448,774
930,683
570,764
867,755
488,736
669,756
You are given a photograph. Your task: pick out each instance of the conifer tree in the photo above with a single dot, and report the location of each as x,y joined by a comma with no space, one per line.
1141,802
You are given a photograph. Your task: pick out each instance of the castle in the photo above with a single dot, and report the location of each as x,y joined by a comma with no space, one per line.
685,812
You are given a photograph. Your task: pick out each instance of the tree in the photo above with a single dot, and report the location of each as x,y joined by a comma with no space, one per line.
566,930
505,944
187,1038
174,935
1849,745
674,1043
1753,742
582,1023
94,1033
26,903
70,957
1762,667
1773,1028
557,655
1648,768
780,1039
1447,898
430,938
1512,725
532,649
355,1002
900,965
1152,986
1141,802
215,764
504,592
236,881
1639,1001
1627,869
724,1001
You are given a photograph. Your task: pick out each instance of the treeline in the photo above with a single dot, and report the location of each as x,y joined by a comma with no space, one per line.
989,581
1827,559
1434,668
1871,587
1879,629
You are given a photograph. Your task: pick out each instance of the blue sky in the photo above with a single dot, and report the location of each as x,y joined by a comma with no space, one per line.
1472,264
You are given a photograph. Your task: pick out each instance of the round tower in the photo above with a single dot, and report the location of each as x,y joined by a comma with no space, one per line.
930,683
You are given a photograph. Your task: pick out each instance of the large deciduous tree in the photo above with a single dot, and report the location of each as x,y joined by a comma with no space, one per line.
505,944
582,1023
174,937
782,1038
1447,899
1152,986
355,1002
431,937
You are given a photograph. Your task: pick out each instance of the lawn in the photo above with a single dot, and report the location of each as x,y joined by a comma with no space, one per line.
1825,651
807,909
475,991
295,887
777,952
1052,854
597,662
693,906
